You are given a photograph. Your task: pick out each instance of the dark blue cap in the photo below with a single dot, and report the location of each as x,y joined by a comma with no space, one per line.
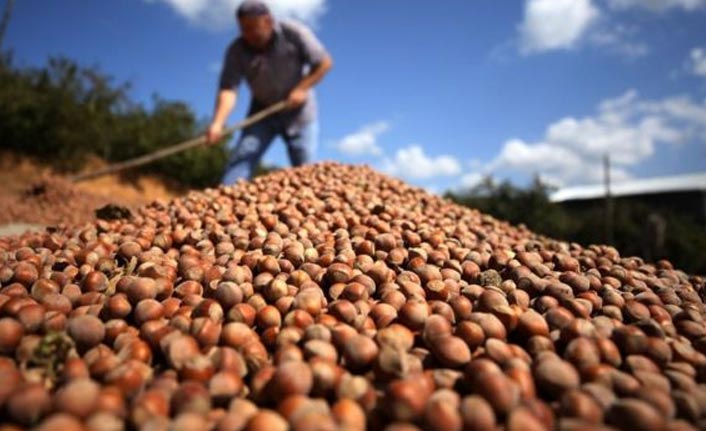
250,8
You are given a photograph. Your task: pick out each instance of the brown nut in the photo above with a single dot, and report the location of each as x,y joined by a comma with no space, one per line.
442,411
477,413
349,415
554,376
359,352
78,398
630,413
87,331
406,399
223,386
501,392
11,332
28,403
191,397
266,420
292,377
451,351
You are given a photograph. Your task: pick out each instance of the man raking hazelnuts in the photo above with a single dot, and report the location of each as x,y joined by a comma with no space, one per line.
279,60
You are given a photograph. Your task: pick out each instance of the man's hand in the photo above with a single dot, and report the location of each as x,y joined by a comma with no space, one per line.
214,133
225,102
300,93
297,97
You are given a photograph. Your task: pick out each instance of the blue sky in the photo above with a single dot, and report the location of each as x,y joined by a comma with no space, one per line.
439,93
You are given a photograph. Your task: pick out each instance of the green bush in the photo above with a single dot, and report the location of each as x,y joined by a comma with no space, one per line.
684,239
62,113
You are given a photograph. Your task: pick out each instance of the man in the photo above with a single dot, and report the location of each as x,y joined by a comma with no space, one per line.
280,61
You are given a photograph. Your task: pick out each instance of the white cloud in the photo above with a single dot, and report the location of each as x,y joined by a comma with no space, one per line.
412,163
550,25
697,61
616,38
432,189
555,24
657,5
220,14
554,164
627,127
364,141
470,180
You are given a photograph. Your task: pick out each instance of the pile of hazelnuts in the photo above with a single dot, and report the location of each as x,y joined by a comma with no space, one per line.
331,297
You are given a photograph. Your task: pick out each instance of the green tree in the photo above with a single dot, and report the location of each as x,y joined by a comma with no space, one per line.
530,206
63,113
5,19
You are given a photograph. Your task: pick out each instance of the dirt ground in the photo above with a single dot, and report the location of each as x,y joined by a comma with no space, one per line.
33,196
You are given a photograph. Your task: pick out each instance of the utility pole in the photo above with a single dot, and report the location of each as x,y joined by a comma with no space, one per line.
608,201
5,20
703,199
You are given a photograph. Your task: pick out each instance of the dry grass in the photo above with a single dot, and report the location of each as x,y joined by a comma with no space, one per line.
60,201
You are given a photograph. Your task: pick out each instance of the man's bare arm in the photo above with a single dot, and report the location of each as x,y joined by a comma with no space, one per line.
225,102
299,94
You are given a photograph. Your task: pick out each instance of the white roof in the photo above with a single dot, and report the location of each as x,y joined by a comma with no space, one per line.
677,183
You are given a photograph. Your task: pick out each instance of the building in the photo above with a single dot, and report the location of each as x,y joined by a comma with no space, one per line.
685,194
